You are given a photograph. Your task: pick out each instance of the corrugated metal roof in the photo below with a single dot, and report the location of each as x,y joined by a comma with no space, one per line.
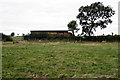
49,30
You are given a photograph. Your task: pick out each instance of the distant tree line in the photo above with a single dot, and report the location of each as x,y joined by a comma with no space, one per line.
45,36
100,38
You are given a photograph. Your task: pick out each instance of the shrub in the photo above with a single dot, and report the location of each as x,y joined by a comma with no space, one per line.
6,38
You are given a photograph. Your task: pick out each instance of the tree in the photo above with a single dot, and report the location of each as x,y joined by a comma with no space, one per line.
112,33
18,34
23,34
12,34
72,26
93,16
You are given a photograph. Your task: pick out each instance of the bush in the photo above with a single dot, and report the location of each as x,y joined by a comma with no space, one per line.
5,37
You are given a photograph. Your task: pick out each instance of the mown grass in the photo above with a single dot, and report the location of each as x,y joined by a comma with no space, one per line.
59,59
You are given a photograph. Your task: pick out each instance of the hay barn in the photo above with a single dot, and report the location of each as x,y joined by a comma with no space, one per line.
57,32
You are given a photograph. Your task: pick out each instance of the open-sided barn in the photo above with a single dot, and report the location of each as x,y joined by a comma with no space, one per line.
57,32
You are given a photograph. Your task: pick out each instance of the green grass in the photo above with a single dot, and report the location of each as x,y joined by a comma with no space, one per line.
60,59
17,38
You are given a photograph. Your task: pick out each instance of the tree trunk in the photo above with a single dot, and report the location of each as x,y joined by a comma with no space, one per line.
92,25
90,32
73,33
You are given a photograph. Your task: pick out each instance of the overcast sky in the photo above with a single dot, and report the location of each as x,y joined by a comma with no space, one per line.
21,16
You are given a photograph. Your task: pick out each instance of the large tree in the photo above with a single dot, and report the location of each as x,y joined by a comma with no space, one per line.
93,16
72,26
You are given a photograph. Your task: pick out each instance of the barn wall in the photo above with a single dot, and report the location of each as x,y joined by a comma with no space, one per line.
59,33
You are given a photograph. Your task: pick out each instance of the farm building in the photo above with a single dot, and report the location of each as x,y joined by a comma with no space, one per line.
57,32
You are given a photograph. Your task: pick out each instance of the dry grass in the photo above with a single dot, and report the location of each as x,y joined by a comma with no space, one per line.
49,43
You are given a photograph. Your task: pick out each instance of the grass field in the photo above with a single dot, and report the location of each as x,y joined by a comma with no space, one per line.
17,38
59,59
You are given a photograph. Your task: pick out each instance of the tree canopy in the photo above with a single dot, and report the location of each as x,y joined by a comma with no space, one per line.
12,34
72,25
93,16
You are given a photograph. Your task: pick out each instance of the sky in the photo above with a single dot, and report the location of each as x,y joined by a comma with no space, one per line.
22,16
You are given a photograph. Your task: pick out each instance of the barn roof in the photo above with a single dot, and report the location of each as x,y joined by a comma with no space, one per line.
49,30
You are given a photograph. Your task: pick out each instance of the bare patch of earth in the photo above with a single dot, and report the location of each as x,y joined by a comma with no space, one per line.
49,43
7,45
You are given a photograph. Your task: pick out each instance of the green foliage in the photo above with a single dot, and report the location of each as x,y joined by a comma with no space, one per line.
12,34
72,25
42,36
108,38
93,16
45,36
17,38
59,59
5,37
